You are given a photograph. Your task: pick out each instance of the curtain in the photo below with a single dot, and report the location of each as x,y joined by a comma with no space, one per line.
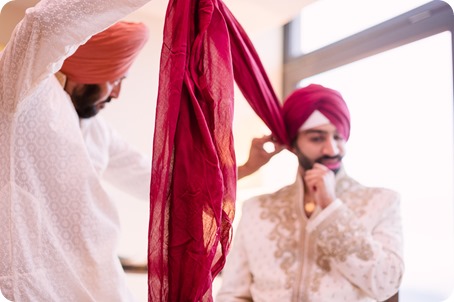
193,184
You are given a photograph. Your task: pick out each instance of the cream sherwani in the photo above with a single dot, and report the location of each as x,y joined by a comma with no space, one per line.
350,251
58,229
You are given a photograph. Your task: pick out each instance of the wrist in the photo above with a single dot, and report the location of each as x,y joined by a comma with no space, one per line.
245,170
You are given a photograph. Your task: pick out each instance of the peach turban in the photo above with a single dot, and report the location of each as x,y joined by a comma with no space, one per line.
300,105
108,55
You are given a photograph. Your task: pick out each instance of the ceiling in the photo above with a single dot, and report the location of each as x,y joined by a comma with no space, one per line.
253,15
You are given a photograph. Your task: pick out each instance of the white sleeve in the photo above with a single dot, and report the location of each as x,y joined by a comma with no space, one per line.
128,169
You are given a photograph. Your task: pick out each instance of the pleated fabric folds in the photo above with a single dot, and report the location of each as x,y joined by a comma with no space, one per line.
193,185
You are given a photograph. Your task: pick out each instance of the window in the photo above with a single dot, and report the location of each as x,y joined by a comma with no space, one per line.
402,121
324,21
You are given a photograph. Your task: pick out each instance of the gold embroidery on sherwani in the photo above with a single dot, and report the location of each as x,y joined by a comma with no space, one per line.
343,236
316,280
340,239
279,209
354,195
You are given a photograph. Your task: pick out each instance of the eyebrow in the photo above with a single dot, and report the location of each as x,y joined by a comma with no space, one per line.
310,131
320,132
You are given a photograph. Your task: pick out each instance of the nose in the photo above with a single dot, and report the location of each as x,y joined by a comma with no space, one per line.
330,147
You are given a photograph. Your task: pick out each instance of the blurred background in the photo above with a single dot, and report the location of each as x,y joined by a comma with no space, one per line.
393,63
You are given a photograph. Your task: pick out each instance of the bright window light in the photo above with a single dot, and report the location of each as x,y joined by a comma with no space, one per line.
401,103
326,21
2,3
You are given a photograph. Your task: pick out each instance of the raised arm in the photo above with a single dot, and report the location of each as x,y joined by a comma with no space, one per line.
50,32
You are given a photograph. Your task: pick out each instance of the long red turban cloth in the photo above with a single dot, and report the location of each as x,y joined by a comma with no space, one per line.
304,101
193,186
108,55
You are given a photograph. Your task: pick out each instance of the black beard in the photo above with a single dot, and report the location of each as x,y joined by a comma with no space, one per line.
307,164
84,98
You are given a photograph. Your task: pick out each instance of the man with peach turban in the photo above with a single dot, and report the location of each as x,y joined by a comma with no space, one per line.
60,230
95,71
325,237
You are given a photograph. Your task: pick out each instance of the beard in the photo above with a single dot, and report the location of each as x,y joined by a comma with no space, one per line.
308,164
84,99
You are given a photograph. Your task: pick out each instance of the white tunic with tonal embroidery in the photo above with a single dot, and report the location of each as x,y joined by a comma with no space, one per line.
59,230
350,251
115,160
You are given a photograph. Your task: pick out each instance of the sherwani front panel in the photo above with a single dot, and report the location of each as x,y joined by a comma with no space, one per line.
350,251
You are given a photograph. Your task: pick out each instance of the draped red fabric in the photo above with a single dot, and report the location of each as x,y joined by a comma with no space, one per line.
251,78
193,185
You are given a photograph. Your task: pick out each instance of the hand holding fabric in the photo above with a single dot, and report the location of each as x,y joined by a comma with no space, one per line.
258,155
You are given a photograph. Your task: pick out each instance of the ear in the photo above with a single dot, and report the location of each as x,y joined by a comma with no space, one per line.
293,147
294,143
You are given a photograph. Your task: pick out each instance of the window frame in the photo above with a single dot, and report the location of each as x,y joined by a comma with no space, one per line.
422,22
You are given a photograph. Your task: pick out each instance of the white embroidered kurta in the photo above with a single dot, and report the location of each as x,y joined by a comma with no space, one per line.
59,230
115,160
350,251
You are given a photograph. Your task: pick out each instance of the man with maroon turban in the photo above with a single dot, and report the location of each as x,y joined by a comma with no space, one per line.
60,230
324,238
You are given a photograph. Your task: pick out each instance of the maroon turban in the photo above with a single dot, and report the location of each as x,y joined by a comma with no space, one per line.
304,101
108,55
